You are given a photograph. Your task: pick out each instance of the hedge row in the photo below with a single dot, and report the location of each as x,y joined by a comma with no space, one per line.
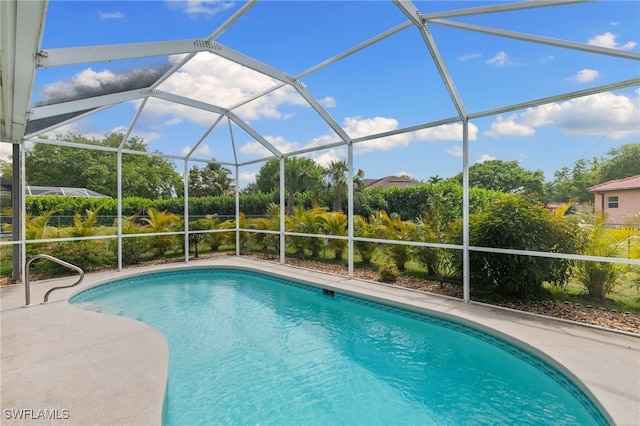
408,202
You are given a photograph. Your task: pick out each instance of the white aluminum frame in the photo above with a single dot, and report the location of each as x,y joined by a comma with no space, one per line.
34,13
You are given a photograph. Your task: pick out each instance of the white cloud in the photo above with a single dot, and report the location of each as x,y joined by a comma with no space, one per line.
328,102
469,56
456,151
85,79
195,8
173,121
609,40
215,80
447,132
357,127
501,59
203,151
606,113
325,157
485,157
546,59
509,127
110,15
280,143
586,75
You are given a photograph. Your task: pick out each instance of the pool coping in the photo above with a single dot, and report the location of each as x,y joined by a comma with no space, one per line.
89,364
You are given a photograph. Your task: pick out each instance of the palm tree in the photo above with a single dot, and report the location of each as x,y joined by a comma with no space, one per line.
434,179
335,223
300,174
86,227
599,278
159,222
211,180
337,183
36,228
440,262
394,228
307,222
268,242
366,229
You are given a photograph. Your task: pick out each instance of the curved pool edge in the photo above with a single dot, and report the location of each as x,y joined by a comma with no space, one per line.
604,364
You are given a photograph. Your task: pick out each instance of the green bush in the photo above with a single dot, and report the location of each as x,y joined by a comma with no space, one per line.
514,222
388,272
90,255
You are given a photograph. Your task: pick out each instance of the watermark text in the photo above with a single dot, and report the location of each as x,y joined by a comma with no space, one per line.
36,414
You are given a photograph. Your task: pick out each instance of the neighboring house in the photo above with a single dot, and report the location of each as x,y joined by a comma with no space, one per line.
619,199
388,182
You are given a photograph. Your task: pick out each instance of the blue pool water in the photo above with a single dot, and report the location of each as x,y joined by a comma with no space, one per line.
247,348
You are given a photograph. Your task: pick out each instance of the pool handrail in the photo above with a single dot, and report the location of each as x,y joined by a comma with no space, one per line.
27,284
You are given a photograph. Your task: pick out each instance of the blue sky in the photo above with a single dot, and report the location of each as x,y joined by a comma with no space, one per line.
390,85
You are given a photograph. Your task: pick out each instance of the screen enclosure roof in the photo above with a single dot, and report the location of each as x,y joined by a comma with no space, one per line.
232,86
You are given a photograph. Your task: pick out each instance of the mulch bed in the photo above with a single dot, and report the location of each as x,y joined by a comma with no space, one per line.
623,321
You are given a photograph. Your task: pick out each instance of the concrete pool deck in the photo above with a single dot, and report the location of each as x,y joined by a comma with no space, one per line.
63,365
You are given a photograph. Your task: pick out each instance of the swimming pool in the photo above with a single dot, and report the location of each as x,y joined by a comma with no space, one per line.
249,348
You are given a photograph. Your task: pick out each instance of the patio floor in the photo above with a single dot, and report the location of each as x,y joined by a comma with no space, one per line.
84,368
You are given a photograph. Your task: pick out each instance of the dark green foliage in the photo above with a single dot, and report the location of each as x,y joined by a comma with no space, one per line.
515,222
211,180
89,255
411,202
505,176
142,175
622,162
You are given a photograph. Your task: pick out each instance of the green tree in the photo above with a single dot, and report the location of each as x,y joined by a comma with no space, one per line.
572,184
268,175
211,180
142,175
505,176
623,162
300,174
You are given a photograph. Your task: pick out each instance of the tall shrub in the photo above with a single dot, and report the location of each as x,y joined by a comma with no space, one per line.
514,222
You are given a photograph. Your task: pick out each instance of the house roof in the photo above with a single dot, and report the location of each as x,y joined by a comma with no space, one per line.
389,181
632,182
